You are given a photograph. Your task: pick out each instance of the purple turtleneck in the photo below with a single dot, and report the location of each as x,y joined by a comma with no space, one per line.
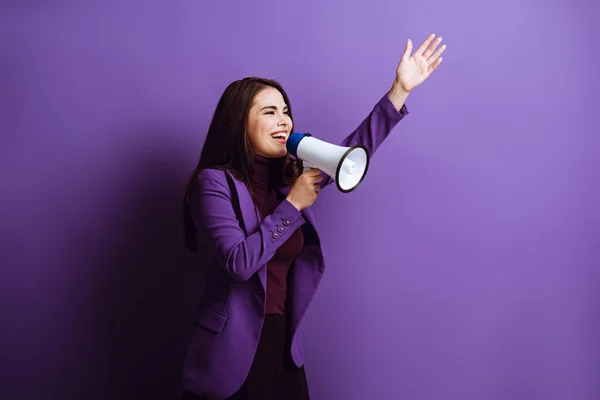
279,266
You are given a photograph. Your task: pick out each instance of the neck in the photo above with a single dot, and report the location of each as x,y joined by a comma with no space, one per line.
261,172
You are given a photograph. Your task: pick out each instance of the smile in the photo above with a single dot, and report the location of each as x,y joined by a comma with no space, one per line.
280,137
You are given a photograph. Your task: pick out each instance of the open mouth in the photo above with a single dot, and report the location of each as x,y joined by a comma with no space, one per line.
280,137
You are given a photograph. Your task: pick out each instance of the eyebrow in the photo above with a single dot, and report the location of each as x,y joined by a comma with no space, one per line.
272,107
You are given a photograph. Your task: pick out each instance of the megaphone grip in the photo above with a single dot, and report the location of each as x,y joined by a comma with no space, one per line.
307,166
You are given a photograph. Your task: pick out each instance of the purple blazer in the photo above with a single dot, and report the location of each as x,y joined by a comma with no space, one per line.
236,245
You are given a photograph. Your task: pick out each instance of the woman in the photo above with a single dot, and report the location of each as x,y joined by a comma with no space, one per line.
247,210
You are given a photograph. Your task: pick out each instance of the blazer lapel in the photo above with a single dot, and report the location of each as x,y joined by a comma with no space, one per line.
250,218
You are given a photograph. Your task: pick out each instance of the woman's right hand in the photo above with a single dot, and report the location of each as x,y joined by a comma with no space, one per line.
305,190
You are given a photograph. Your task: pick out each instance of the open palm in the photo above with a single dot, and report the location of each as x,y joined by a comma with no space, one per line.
413,70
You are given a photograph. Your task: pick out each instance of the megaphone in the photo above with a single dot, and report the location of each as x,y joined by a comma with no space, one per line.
347,166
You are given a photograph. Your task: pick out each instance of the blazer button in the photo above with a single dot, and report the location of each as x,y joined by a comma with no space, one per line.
280,229
286,222
275,235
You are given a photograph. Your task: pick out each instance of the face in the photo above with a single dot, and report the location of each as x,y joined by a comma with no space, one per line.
269,124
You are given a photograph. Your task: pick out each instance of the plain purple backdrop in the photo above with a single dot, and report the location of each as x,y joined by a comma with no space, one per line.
464,267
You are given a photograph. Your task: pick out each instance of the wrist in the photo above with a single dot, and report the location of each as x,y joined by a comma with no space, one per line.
292,202
398,95
398,89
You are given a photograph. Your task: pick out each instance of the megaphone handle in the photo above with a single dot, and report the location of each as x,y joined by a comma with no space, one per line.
307,166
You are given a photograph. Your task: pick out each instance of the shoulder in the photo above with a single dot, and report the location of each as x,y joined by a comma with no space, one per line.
210,179
214,179
211,174
217,173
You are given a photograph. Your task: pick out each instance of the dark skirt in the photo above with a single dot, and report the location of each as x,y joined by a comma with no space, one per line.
273,375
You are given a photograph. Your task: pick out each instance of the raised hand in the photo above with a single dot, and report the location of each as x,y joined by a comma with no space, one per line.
413,70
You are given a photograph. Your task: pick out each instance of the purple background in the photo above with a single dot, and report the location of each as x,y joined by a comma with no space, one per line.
464,267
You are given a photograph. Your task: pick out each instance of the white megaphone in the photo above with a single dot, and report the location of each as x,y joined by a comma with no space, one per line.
347,166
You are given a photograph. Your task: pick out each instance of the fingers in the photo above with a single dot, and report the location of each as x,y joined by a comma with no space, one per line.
435,64
426,43
407,50
432,47
313,176
436,55
313,172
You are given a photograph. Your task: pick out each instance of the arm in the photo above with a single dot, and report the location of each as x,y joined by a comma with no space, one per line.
412,70
377,125
214,217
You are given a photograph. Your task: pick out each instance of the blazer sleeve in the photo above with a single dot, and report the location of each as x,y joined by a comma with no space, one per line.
214,216
373,129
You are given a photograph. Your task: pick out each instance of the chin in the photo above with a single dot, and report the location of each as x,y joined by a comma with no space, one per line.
278,154
273,154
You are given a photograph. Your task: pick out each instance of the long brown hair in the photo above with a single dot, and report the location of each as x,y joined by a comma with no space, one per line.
227,147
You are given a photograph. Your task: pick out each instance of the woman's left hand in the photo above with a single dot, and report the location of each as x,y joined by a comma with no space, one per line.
413,70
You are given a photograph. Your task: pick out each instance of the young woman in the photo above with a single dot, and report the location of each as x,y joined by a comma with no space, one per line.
247,210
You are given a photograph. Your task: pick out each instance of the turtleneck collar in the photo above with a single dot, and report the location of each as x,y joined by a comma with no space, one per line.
260,175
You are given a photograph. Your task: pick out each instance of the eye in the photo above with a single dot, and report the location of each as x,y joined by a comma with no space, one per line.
270,112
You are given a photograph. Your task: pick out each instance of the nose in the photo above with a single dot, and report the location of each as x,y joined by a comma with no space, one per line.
284,120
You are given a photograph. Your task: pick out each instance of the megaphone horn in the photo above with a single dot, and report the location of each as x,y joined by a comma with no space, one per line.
347,166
